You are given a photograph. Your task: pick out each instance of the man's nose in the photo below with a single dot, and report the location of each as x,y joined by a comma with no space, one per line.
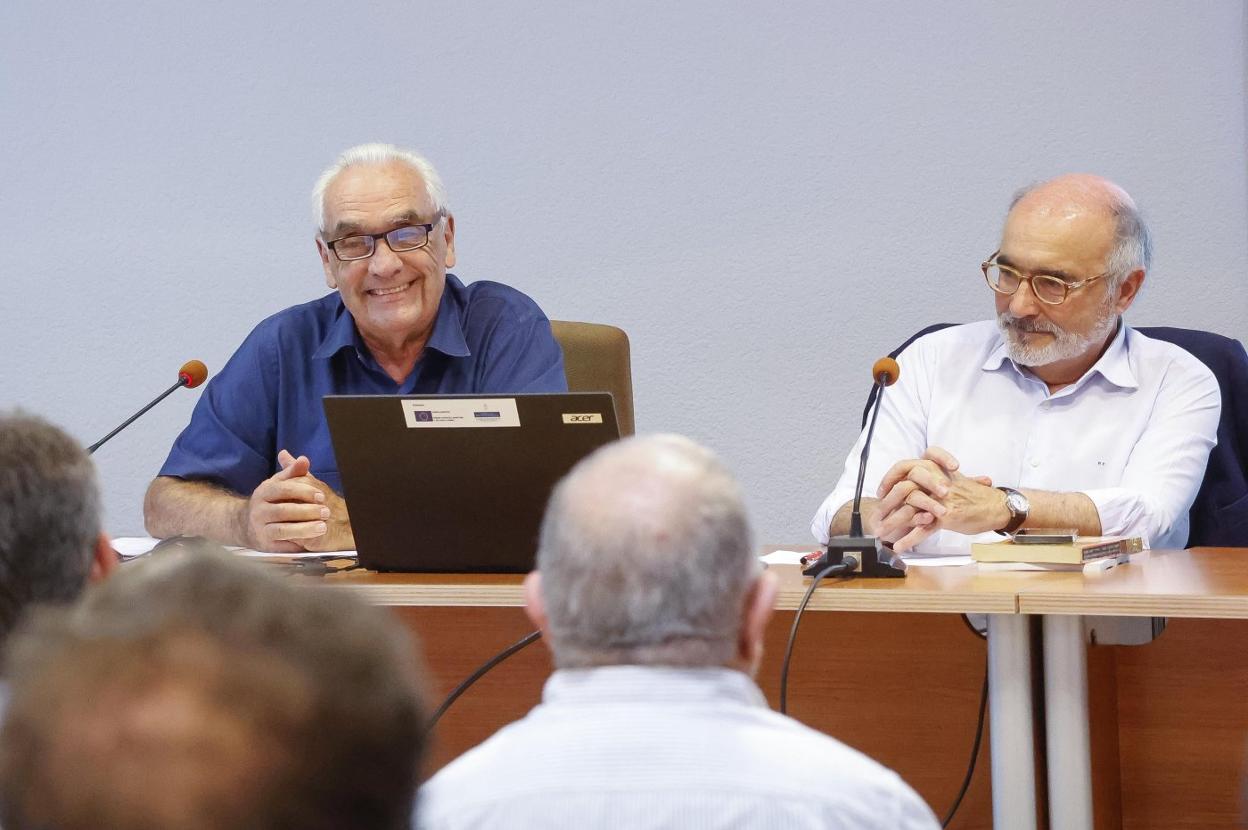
1023,302
384,262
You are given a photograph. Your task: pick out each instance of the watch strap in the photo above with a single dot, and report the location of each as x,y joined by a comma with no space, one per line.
1017,517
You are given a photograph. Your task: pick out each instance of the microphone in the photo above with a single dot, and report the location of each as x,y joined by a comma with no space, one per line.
867,549
192,374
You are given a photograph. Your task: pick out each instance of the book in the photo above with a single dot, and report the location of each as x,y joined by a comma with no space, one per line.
1104,563
1083,549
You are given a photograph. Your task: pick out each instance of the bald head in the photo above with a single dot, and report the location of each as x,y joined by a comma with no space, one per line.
1095,210
646,557
1074,191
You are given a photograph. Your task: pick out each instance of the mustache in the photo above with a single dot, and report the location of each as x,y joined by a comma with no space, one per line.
1027,324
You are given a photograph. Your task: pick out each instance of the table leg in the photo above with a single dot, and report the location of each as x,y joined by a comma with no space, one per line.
1013,748
1066,722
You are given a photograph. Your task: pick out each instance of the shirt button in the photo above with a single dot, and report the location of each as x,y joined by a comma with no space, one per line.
1035,462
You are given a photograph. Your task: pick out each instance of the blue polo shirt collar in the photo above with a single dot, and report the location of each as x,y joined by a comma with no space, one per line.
448,328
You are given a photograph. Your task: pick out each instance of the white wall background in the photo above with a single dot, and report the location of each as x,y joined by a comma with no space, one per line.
765,197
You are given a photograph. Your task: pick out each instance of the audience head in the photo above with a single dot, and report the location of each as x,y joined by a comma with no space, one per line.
199,691
646,557
50,539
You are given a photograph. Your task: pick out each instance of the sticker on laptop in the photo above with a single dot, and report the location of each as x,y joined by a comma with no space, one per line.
582,417
452,413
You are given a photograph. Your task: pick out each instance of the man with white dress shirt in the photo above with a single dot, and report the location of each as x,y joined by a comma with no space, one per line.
650,596
1055,415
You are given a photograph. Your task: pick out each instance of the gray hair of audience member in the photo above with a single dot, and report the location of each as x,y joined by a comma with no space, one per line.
49,516
1133,243
378,154
646,557
199,691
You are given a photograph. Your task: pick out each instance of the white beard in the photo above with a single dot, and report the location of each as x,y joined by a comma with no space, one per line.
1065,345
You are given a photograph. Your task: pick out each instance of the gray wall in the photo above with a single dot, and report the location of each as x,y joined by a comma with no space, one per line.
765,198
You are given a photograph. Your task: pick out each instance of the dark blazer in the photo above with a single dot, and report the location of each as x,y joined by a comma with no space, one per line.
1219,516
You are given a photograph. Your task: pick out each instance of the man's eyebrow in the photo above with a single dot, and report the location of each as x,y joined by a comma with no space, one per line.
342,229
399,220
1002,259
410,217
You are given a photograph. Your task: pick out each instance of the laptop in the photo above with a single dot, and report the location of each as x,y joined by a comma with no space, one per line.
458,483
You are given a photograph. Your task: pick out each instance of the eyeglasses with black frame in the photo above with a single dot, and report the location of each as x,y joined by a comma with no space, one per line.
1047,288
401,239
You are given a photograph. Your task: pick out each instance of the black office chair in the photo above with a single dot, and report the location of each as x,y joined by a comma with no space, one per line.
1219,516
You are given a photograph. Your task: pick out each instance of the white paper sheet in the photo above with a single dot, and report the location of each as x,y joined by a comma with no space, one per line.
131,547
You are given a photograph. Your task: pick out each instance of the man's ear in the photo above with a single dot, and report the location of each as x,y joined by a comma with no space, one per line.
1129,290
103,559
760,603
329,271
449,236
534,605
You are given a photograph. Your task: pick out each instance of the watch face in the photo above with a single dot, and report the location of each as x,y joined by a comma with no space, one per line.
1016,502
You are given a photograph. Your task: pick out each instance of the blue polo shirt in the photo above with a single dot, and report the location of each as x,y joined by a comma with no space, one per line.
487,338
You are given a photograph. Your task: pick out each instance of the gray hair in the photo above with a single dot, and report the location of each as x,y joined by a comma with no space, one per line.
49,516
1133,244
378,154
228,694
646,557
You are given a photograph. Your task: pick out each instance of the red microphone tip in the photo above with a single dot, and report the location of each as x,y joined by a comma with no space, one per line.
885,371
193,373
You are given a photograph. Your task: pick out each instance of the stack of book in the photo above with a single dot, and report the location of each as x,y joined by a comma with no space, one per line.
1089,551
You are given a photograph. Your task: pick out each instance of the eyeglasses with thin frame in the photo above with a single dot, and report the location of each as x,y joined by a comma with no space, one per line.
1047,288
401,239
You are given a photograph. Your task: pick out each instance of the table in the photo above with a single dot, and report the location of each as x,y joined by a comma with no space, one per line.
1201,585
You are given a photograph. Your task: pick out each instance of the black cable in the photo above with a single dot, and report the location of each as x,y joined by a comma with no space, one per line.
983,635
840,568
979,734
478,674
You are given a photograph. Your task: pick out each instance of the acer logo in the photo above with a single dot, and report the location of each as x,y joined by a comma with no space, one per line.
582,418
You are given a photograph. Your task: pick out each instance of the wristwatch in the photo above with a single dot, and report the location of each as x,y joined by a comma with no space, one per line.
1018,506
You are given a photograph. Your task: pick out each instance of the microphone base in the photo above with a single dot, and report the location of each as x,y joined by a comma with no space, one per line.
874,559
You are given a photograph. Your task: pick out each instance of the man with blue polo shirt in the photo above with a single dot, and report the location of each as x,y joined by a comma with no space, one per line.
255,467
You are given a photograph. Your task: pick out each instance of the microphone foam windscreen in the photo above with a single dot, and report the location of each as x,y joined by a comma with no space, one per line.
886,371
193,372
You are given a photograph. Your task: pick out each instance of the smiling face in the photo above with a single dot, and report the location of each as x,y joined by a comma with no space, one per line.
1051,231
393,297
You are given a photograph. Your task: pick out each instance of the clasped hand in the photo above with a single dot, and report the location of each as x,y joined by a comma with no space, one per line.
919,496
294,511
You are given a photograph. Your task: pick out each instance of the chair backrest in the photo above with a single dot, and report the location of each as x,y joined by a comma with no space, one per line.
596,358
1219,515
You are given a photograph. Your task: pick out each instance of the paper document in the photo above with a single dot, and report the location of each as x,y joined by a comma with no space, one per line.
784,557
918,560
131,547
927,560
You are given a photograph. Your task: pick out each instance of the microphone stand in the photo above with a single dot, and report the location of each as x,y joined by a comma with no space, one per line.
875,559
183,380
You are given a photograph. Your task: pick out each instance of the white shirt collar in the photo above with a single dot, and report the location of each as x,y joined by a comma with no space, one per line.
1114,365
651,684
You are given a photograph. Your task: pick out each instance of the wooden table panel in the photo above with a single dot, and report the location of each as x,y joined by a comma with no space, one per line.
1183,727
1209,583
